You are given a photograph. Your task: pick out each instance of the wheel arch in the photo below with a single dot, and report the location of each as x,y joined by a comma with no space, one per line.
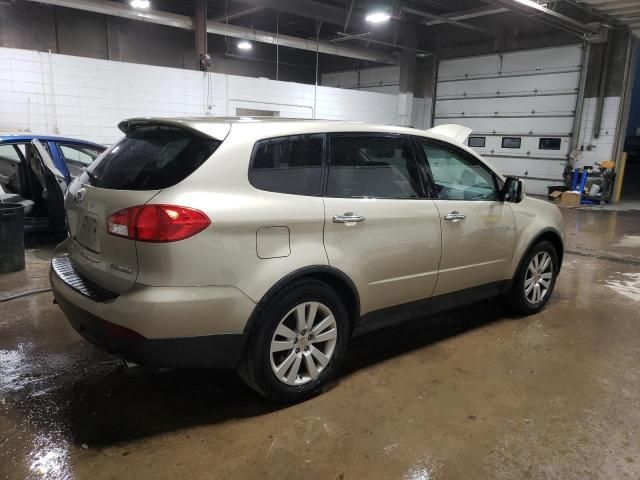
548,234
336,279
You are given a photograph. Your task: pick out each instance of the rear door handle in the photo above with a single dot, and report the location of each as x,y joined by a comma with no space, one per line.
455,216
348,217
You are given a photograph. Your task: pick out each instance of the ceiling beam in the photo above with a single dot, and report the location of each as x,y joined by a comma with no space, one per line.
237,14
544,14
467,14
605,6
623,11
304,8
366,37
445,19
159,17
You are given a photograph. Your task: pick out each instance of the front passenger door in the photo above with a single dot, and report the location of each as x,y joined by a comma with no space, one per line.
478,230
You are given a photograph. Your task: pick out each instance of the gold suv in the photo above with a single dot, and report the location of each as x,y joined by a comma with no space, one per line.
264,245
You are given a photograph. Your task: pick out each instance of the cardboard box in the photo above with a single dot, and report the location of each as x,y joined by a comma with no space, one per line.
555,196
566,199
570,199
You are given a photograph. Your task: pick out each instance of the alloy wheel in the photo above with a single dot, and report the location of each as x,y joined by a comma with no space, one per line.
537,280
303,343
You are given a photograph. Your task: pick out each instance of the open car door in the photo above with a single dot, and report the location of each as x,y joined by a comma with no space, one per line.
53,185
9,163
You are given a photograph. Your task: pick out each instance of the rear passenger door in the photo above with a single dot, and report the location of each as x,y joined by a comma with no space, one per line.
478,229
380,229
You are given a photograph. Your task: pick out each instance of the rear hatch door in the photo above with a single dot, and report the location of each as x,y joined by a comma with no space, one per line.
109,261
153,155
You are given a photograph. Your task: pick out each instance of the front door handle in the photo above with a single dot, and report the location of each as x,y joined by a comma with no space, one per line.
348,217
455,216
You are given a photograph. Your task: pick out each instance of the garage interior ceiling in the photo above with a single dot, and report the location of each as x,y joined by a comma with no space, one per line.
338,27
627,12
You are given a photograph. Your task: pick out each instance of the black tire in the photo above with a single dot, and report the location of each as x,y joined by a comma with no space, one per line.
516,297
255,367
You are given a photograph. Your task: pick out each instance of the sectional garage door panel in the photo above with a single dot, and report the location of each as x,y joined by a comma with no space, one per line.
538,62
552,148
542,126
534,106
521,105
552,84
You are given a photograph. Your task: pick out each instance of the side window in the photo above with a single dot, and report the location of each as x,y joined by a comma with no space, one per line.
78,154
458,176
9,152
288,165
372,166
10,159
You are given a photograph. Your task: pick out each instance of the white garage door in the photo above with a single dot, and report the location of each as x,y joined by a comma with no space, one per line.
520,105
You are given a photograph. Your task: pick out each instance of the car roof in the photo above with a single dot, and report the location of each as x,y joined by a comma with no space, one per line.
218,127
256,128
27,137
267,122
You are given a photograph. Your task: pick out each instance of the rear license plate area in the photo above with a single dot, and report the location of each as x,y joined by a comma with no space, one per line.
87,232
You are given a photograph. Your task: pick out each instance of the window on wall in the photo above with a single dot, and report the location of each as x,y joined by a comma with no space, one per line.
288,165
549,144
372,166
459,176
478,142
511,142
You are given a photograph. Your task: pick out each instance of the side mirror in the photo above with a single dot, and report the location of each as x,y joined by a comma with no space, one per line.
512,191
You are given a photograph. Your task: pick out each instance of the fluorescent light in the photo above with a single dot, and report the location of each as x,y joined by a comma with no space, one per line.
140,3
244,45
378,16
530,3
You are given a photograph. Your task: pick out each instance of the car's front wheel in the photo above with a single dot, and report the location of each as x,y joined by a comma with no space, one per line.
298,342
535,280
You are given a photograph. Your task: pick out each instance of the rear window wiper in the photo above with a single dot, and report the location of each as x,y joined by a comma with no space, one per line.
92,176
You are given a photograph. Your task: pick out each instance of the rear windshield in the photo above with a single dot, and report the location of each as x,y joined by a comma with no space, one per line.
151,158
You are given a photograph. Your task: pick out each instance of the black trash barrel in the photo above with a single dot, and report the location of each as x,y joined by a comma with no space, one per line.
11,237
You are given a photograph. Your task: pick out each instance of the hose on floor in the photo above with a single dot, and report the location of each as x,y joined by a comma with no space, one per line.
24,294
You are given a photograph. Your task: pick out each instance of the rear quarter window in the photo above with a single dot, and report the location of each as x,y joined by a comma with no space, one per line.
288,164
151,158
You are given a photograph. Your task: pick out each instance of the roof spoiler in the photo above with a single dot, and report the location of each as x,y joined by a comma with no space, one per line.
455,132
219,131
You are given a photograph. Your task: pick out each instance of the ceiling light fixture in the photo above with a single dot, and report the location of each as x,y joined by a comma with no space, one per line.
531,3
378,16
140,3
244,45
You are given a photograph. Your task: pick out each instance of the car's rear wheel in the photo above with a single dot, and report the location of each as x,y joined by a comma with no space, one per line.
535,280
298,342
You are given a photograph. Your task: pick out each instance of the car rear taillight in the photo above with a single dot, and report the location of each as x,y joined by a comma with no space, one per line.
157,223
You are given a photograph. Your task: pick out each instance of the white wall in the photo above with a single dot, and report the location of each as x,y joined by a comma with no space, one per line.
599,149
86,98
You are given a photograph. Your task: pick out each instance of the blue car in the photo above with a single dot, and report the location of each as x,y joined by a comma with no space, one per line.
34,172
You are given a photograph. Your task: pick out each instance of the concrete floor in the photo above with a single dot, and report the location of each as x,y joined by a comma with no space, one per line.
470,394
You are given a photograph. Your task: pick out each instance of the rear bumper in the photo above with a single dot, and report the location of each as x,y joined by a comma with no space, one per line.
157,326
207,351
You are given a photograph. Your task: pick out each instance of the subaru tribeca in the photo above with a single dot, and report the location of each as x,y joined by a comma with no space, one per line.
264,245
